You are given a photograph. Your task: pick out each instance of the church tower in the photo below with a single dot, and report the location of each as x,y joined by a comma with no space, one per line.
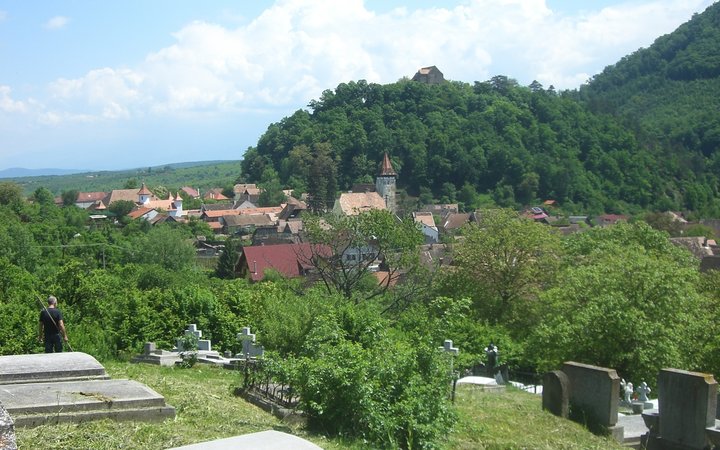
385,184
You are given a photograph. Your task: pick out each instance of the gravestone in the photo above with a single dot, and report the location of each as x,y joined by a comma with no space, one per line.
448,347
152,355
556,393
7,431
46,367
688,402
593,397
72,387
249,348
36,404
203,344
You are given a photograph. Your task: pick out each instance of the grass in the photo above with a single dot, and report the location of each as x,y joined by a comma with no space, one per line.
514,420
207,410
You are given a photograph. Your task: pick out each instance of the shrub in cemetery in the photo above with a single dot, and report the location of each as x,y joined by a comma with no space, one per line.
189,354
285,319
379,385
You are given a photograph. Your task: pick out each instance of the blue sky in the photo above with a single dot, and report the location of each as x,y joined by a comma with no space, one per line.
116,85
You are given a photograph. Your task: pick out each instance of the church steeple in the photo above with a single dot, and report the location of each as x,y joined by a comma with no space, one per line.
144,194
387,169
385,183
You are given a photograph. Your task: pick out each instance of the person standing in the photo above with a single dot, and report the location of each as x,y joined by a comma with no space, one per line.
52,327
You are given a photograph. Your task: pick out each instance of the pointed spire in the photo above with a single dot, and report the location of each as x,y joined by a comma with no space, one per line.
144,190
387,169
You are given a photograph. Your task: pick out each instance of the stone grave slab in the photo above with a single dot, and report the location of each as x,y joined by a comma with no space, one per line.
151,355
36,404
556,393
7,431
44,367
688,403
263,440
594,393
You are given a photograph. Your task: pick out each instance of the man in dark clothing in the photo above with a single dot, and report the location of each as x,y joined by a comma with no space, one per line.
51,327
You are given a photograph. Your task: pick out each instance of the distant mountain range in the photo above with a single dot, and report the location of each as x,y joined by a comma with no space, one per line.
17,172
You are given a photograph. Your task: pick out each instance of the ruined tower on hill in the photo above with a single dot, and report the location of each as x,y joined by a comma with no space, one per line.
429,75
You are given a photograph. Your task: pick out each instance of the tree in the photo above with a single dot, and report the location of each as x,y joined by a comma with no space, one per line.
121,208
502,263
11,195
347,249
322,179
69,197
43,196
226,264
162,245
131,183
347,384
272,193
627,299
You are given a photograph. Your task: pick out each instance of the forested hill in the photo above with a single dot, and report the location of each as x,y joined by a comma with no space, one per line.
514,145
670,92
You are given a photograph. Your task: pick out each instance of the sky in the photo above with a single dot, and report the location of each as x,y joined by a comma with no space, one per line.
118,85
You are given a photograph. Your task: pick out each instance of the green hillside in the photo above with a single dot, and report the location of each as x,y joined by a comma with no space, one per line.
671,89
642,135
202,175
669,94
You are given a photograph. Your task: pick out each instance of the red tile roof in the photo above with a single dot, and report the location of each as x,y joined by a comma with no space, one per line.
192,192
84,197
144,190
288,259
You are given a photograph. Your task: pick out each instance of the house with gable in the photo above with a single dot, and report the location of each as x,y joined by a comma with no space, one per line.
454,221
245,224
215,194
86,200
290,260
144,213
246,192
213,218
426,222
190,192
354,203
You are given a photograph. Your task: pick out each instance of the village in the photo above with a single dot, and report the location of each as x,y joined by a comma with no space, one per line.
273,236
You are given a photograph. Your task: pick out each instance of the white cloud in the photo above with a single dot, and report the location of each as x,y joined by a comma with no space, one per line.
7,104
57,23
3,15
297,48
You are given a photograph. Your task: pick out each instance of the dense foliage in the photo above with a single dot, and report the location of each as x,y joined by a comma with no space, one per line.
668,94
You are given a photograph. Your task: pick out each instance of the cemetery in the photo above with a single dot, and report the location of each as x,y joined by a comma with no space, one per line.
74,387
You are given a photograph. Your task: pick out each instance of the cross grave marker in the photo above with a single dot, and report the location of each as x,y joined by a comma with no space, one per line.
249,348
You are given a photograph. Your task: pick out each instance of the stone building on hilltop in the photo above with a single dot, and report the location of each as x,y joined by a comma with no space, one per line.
429,75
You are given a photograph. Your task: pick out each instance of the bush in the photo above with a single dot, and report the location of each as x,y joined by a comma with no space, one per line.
389,390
